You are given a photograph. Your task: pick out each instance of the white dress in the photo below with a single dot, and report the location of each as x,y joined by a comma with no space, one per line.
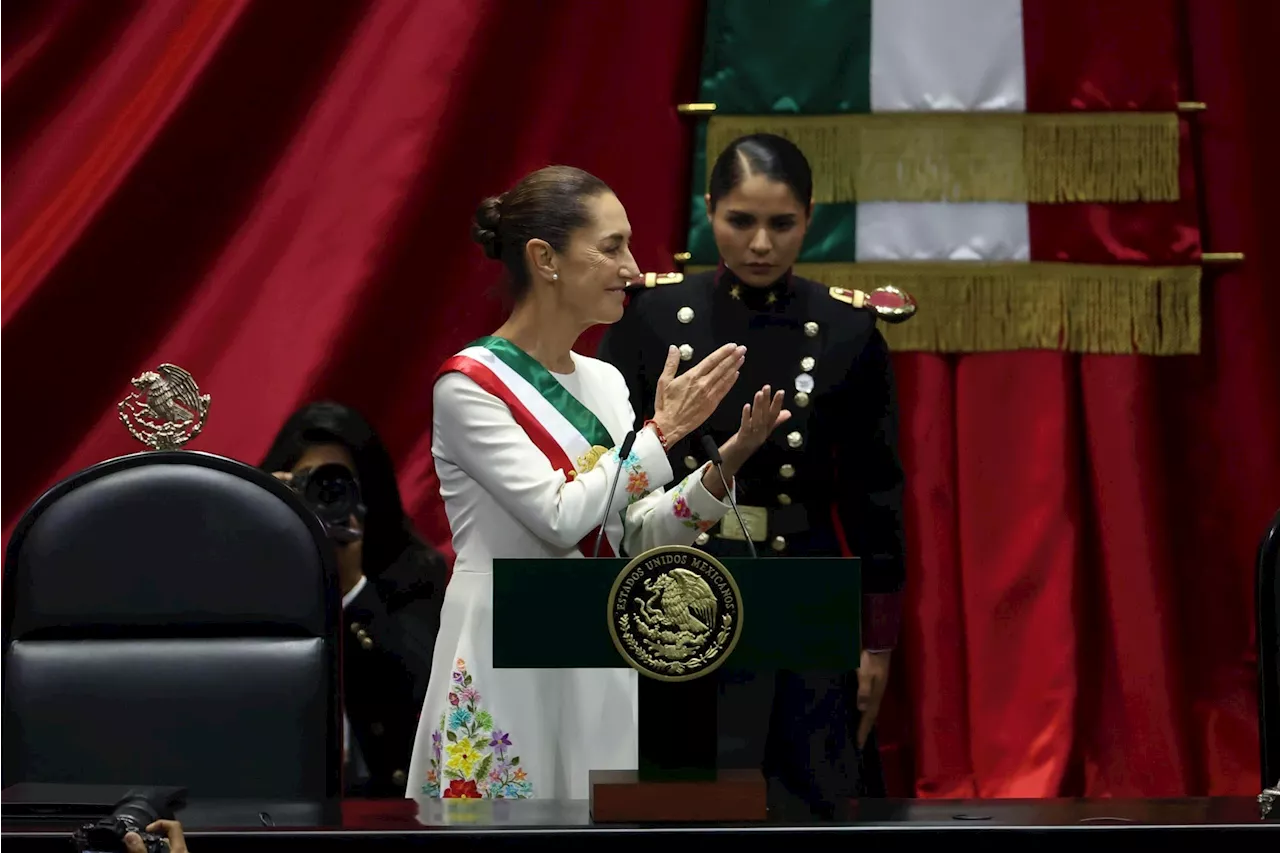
508,733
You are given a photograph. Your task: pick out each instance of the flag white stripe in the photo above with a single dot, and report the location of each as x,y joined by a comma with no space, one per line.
907,231
945,55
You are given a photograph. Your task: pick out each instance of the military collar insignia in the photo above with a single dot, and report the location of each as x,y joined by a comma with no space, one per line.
755,298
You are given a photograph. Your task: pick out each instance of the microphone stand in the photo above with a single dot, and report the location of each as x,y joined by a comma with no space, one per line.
713,453
623,452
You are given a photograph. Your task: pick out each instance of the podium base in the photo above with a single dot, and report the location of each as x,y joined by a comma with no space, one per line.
621,796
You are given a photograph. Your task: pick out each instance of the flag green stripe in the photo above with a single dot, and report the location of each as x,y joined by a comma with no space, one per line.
797,56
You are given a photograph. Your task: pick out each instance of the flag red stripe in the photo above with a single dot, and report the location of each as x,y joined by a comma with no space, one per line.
1101,56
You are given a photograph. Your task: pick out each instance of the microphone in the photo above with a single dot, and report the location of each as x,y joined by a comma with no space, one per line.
713,453
623,452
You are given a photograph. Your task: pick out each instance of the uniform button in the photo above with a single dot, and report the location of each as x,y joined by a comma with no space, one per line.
787,471
802,399
806,363
366,642
703,539
685,314
794,440
784,499
686,352
399,777
690,462
779,543
811,329
377,729
356,627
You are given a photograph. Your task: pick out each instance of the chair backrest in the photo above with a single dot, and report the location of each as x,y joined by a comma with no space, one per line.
173,618
1268,603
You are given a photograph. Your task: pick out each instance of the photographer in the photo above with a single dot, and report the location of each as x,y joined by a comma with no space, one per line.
392,586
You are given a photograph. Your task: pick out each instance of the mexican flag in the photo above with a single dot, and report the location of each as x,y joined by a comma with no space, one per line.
983,155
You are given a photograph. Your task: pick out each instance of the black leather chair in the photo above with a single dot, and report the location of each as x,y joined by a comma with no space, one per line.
1268,604
173,618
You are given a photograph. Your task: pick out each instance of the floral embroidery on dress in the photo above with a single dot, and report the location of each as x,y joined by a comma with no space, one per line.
680,509
637,479
469,754
637,482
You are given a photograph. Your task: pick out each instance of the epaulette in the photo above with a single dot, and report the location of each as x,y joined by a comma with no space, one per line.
653,279
888,303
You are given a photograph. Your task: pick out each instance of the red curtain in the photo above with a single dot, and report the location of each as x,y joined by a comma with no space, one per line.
276,194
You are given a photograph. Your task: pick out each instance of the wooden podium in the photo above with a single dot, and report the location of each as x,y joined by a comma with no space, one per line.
799,614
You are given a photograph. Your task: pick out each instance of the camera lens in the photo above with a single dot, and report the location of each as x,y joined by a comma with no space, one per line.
331,492
136,813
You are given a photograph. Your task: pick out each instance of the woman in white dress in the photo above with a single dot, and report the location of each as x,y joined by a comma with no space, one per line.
526,436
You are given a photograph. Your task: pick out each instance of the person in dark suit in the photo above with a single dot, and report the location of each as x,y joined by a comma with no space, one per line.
392,586
832,472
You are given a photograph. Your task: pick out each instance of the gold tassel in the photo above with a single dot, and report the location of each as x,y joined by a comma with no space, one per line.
976,156
972,306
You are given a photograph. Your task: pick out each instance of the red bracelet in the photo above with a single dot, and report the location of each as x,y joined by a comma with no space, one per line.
662,439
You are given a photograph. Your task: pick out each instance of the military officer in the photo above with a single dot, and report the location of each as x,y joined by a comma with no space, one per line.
831,473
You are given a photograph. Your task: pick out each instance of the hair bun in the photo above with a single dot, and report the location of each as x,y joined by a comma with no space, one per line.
487,225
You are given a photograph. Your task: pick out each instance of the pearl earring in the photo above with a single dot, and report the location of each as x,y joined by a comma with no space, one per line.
555,276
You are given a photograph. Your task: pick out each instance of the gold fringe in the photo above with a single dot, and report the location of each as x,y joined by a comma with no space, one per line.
976,156
976,306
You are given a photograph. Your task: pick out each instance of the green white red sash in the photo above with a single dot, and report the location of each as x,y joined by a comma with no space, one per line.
560,426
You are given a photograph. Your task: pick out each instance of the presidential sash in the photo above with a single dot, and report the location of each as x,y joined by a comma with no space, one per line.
559,425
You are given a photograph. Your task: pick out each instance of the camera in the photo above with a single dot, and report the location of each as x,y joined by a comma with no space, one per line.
134,813
332,493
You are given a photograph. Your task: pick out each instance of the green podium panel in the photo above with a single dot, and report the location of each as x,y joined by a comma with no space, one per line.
800,614
797,614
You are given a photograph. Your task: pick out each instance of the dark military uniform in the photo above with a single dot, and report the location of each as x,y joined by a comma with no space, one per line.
832,470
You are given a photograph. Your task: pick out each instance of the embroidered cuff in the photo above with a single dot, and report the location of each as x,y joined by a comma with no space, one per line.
881,619
646,468
696,508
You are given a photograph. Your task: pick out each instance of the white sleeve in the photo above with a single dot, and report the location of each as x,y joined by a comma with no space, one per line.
673,517
477,432
666,517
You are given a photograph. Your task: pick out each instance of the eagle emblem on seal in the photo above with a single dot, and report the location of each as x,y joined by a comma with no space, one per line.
675,613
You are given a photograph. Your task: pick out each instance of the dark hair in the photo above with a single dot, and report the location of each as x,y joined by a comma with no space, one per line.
545,205
388,532
775,157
